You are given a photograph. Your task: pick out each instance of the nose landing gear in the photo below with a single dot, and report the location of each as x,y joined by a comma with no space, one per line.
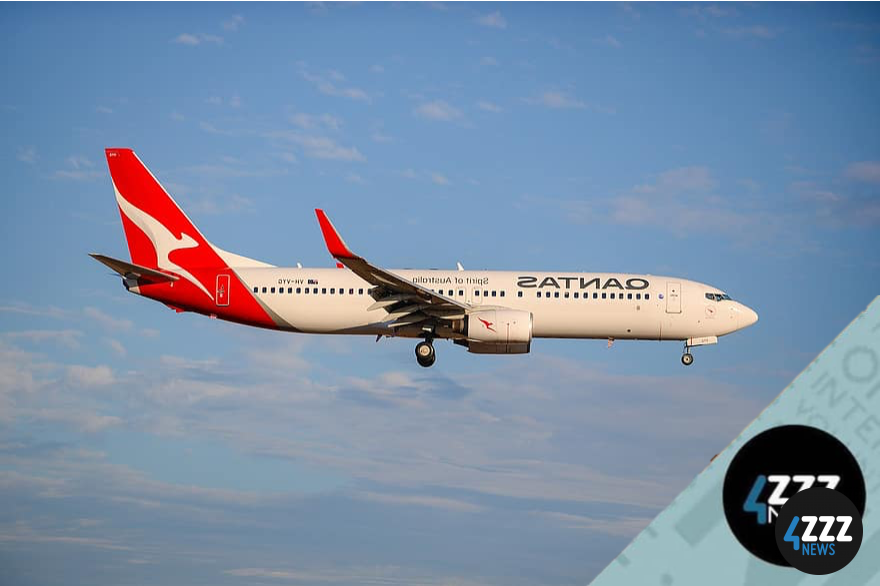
425,354
687,358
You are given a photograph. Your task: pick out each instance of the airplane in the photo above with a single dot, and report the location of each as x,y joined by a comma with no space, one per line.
487,312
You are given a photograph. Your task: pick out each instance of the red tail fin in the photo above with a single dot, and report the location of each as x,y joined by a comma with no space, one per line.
159,234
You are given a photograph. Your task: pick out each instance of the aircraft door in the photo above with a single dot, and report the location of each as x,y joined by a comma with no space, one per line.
673,297
221,296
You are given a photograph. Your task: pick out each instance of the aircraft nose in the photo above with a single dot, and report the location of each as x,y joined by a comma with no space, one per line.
747,317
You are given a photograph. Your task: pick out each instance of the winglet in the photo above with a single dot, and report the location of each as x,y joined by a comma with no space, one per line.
334,242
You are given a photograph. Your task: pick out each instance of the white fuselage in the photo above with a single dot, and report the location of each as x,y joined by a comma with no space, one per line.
563,305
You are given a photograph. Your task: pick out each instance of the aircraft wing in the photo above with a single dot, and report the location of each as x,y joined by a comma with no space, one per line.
407,303
132,271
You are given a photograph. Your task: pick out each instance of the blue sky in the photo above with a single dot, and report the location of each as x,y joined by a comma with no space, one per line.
731,144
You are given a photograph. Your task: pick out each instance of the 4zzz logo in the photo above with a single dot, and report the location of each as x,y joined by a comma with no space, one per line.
771,472
819,531
766,512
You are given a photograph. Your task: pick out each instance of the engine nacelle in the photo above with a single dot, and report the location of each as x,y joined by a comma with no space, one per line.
499,331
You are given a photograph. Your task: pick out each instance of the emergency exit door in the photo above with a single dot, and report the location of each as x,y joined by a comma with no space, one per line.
673,297
221,296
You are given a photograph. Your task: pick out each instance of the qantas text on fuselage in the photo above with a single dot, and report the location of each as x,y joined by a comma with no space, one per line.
487,312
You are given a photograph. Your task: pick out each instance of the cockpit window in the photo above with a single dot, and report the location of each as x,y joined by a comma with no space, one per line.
718,296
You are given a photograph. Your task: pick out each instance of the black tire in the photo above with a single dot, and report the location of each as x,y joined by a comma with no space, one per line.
425,354
687,358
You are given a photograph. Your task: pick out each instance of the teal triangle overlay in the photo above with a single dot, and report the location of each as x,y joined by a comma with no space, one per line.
689,543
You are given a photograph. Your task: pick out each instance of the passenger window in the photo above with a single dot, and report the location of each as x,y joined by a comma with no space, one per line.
576,294
256,289
306,291
629,295
556,294
604,295
493,293
519,293
323,290
502,293
351,291
461,292
341,291
298,290
360,291
547,294
595,295
273,290
647,296
315,290
281,290
566,294
612,295
539,294
477,292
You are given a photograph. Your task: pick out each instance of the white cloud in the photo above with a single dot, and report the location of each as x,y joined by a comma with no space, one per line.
439,179
421,501
319,147
493,20
103,110
76,175
233,23
865,171
329,84
68,338
107,321
616,526
177,116
489,61
557,99
757,31
309,121
610,41
235,101
27,155
90,376
488,106
196,39
703,11
116,346
630,10
438,110
695,178
79,162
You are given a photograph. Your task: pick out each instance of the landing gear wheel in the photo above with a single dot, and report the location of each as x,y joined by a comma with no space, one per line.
687,358
425,354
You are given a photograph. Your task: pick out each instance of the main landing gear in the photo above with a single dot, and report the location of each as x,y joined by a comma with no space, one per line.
425,354
687,358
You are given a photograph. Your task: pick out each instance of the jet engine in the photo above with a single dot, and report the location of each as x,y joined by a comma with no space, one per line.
498,331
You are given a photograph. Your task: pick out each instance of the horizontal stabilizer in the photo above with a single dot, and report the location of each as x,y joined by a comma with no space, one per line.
132,271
